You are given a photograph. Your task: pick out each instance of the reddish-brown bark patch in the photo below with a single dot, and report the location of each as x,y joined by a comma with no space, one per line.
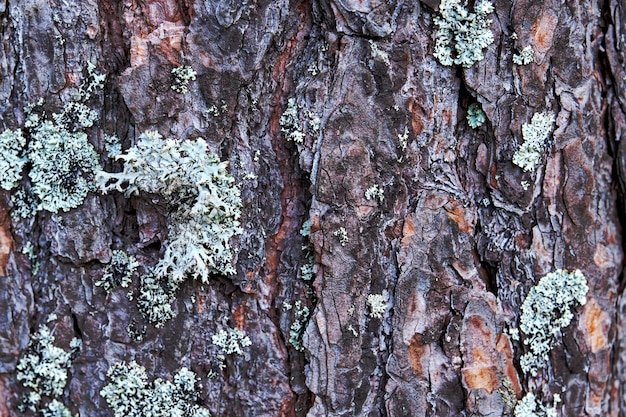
595,323
543,31
503,345
416,351
6,240
481,377
457,213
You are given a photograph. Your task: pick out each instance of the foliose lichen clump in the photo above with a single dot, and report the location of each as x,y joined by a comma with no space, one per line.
11,160
130,395
183,75
43,369
231,341
462,35
60,159
204,202
300,320
536,136
155,298
525,56
293,128
378,304
546,311
475,116
204,206
119,272
62,164
530,407
290,123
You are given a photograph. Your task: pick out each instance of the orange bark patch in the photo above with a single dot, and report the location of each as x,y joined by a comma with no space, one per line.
408,230
240,315
6,240
503,345
200,301
416,351
543,31
481,377
602,257
595,323
457,213
289,194
417,116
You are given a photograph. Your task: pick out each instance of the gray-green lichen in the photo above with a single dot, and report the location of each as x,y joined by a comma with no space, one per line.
536,136
183,75
231,341
378,304
462,35
60,159
298,326
293,128
119,272
546,311
130,395
112,145
475,116
12,160
62,165
525,56
43,370
204,202
530,407
155,298
204,206
375,192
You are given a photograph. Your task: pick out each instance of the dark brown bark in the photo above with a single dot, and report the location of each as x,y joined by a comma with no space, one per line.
457,242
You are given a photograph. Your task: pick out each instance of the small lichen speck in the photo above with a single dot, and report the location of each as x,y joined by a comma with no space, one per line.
536,136
475,116
378,304
183,75
525,57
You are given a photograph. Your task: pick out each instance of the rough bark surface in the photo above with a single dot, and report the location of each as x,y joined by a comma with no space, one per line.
456,241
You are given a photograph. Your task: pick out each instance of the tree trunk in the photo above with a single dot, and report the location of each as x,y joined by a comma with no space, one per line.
404,200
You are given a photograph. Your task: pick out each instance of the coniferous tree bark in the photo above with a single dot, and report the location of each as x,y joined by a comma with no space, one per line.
359,177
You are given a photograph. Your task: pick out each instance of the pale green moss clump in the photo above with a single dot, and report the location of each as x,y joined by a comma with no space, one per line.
462,35
546,311
129,394
536,136
43,369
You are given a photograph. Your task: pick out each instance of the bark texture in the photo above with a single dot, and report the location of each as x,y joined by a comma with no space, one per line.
456,242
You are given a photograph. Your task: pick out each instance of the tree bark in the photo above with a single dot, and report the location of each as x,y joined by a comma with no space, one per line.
456,241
